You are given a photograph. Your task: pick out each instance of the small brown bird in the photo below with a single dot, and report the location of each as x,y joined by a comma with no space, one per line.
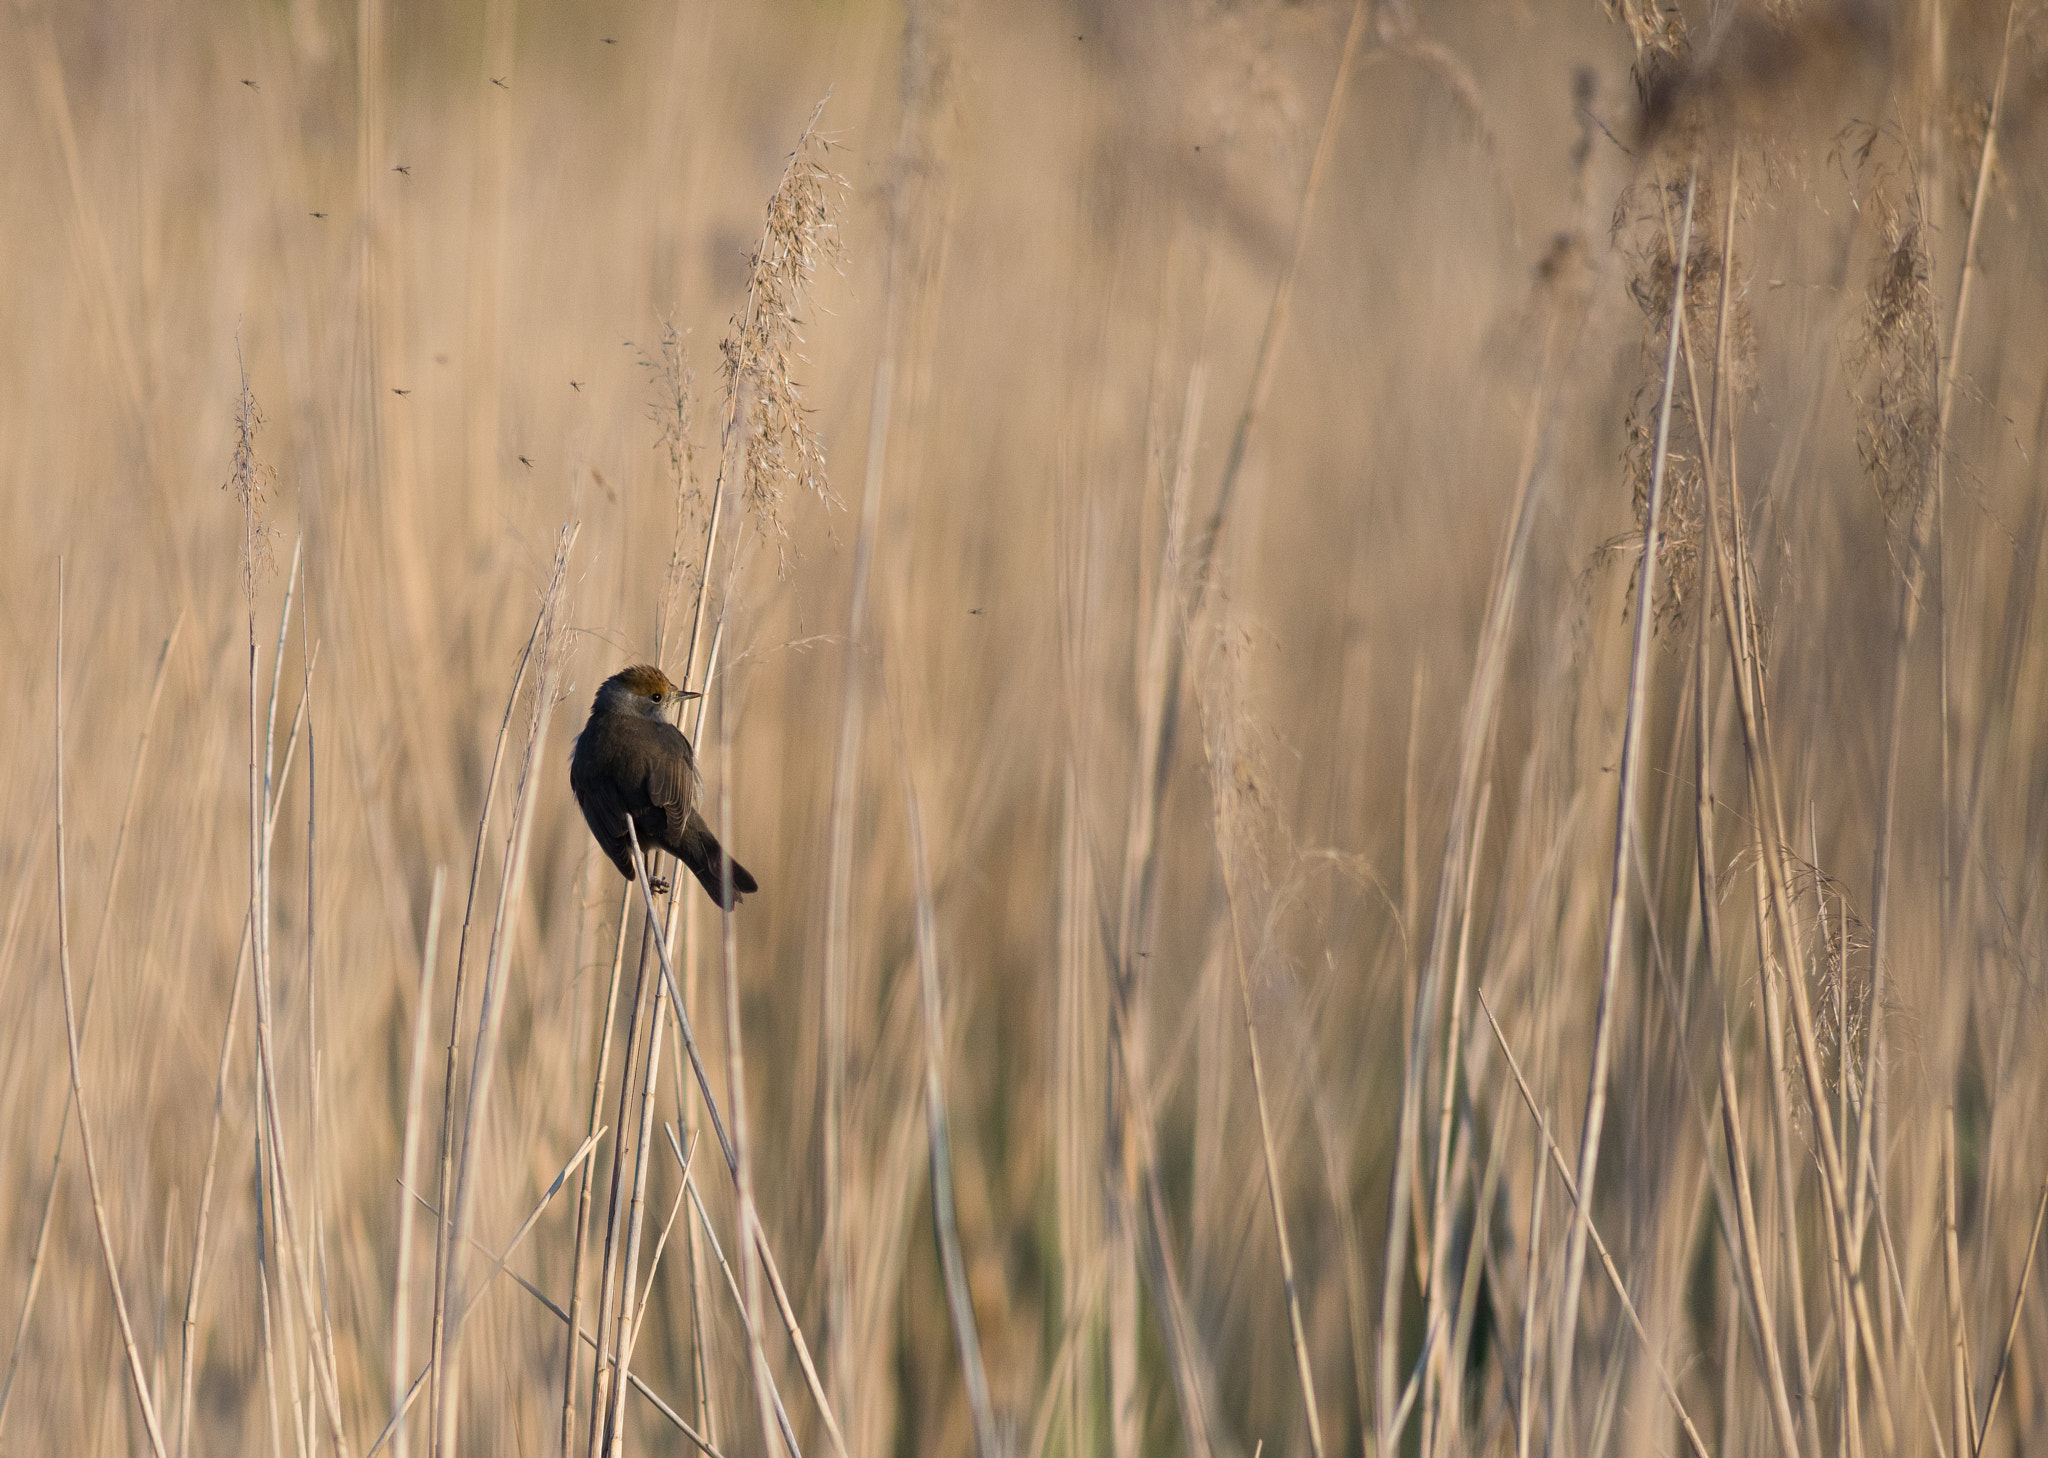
630,763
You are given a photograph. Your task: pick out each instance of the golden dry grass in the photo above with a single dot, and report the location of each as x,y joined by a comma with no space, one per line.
1141,675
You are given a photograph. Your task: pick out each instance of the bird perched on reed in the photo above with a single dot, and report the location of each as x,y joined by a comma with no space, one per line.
631,764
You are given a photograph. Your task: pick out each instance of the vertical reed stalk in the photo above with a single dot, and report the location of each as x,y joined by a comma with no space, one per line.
615,1422
1624,830
445,1198
504,925
585,1182
945,1218
1276,1204
1962,1405
609,1277
1525,1382
1435,1380
415,1088
1927,515
736,1089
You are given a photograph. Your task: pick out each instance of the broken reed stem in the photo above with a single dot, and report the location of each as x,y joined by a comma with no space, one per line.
1624,829
92,1168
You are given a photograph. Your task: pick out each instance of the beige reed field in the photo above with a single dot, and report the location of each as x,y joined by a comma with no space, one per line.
1385,666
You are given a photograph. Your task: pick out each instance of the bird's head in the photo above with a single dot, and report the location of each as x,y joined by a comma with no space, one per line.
642,689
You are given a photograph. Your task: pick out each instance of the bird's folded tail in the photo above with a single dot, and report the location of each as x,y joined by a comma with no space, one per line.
701,852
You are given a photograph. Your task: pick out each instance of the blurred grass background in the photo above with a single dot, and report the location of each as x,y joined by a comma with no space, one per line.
1164,798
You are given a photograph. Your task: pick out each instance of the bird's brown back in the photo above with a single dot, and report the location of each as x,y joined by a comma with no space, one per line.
627,765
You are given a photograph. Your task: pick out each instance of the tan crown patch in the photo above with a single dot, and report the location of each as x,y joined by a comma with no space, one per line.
645,680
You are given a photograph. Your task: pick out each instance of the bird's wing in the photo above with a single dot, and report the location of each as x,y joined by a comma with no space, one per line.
671,778
605,808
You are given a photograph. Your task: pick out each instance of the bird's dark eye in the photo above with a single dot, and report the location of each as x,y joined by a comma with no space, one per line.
656,697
